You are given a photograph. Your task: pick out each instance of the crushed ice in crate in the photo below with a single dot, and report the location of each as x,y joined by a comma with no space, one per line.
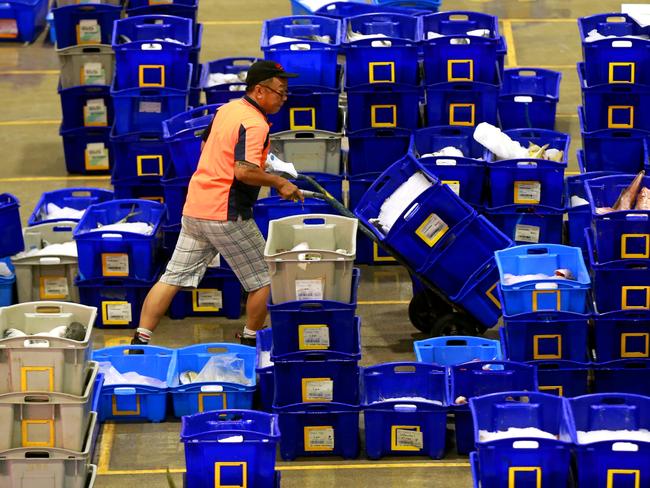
401,199
53,212
564,274
588,437
143,228
113,377
407,399
515,432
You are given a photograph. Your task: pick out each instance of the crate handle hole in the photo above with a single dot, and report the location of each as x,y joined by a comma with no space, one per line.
624,447
37,455
36,399
49,309
132,350
217,350
622,44
525,445
81,194
456,342
538,250
527,72
613,400
61,228
551,366
304,135
616,18
458,17
404,369
314,221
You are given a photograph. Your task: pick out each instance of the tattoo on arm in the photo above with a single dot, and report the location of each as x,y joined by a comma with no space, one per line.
246,164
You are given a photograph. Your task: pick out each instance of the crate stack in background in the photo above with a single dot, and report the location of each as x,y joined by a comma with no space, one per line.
23,20
48,394
84,47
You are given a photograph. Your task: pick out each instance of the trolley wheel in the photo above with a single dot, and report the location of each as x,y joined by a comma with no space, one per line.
425,309
455,323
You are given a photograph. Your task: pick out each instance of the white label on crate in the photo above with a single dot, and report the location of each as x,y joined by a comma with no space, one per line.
96,156
409,438
528,191
95,113
8,28
209,299
454,185
118,312
319,439
54,287
309,289
313,336
89,32
93,74
150,107
317,390
115,264
527,233
432,229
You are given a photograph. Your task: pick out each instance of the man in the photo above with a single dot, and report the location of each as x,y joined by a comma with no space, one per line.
218,215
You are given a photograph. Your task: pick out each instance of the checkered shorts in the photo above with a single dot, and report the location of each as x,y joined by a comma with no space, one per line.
240,243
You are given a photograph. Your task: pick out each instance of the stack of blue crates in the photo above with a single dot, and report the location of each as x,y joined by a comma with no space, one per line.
23,19
615,91
152,80
11,242
224,92
83,31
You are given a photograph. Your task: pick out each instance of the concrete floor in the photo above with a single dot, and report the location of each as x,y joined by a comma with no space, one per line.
540,33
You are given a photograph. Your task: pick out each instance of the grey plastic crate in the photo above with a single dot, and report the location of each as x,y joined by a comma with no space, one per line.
46,277
310,151
324,272
46,420
39,363
86,65
50,467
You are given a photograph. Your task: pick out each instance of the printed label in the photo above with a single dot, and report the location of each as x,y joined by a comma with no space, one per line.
432,229
209,299
527,233
95,113
454,185
409,438
89,32
54,287
309,289
93,74
115,264
117,313
8,28
314,336
319,438
151,107
317,390
528,192
96,156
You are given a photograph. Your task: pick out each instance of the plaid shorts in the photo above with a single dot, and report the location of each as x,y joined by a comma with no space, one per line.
239,242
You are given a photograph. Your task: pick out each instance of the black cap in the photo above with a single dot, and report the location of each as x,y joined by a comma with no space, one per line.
264,70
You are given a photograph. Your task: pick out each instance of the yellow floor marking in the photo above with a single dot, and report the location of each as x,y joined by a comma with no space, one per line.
231,22
567,116
382,302
30,122
510,41
30,72
565,20
28,179
117,341
105,447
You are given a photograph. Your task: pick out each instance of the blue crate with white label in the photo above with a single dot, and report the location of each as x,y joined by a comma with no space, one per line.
226,378
563,378
374,150
272,208
11,238
87,150
307,45
308,108
178,8
24,19
86,106
543,294
135,402
405,409
383,105
622,334
139,155
528,224
465,103
529,98
479,295
319,429
446,351
76,198
227,89
623,376
219,294
264,369
84,24
474,379
139,187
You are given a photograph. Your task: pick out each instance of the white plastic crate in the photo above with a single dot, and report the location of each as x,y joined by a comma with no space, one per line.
310,151
86,65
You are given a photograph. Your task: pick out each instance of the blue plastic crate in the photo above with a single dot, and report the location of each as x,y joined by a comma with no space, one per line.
264,369
462,251
480,378
542,462
614,106
433,139
139,154
622,376
424,223
118,300
563,378
374,150
86,106
543,294
458,22
78,198
183,134
249,462
383,105
178,8
344,9
400,427
197,397
618,285
317,377
619,150
85,24
7,285
294,323
479,295
142,60
431,5
391,59
316,65
228,91
529,98
619,235
308,108
87,150
195,53
219,294
622,334
333,184
131,402
97,392
319,429
447,351
466,177
24,19
119,253
465,103
526,224
615,60
140,187
11,238
529,181
605,463
174,192
272,208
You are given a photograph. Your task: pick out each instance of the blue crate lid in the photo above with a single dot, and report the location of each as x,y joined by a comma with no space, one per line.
446,351
219,424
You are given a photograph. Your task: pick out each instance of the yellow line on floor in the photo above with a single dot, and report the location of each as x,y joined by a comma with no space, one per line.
510,41
231,22
105,447
30,72
565,20
29,122
382,302
567,116
27,179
